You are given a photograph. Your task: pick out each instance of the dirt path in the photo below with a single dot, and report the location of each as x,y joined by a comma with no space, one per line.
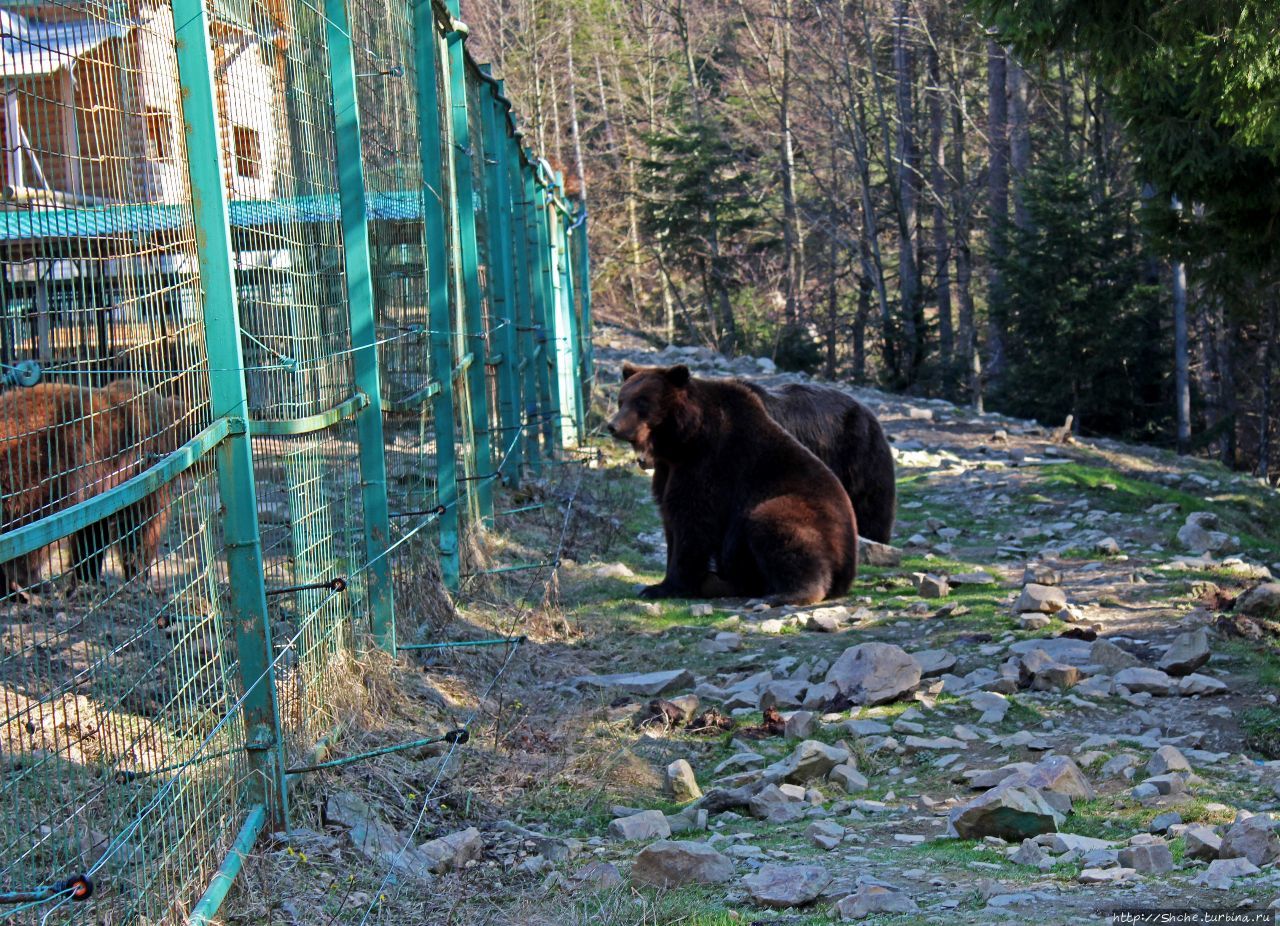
559,755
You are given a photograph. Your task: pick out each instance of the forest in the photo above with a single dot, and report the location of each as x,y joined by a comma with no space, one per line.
1042,208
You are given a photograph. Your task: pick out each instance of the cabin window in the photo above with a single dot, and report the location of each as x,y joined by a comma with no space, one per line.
159,135
248,152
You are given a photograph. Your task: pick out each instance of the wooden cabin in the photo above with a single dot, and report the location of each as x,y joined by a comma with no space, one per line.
91,112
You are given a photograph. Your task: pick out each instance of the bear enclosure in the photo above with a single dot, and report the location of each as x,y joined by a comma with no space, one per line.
284,294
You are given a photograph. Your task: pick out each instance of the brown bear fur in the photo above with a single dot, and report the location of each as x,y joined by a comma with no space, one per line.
62,444
737,489
844,434
841,432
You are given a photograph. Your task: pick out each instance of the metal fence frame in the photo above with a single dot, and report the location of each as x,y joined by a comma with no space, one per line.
519,328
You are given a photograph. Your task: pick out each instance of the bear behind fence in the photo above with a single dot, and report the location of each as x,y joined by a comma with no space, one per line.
62,444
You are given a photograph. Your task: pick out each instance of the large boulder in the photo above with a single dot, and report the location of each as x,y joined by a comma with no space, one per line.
451,852
1149,680
809,760
649,684
1261,601
1200,534
1253,838
648,824
681,782
1044,599
669,864
1188,652
874,673
783,886
1010,810
1060,775
874,898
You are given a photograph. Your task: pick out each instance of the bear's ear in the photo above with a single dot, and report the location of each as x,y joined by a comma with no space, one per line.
678,375
629,370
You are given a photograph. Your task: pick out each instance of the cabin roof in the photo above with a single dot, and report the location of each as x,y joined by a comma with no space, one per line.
29,48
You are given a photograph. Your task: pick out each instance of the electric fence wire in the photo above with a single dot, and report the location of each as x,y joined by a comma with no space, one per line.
519,616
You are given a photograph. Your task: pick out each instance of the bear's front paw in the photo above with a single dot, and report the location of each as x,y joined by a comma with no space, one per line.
661,590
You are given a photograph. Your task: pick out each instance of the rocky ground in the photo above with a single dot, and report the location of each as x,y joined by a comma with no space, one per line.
1054,695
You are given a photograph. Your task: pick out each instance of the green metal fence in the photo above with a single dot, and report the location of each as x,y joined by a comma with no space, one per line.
284,296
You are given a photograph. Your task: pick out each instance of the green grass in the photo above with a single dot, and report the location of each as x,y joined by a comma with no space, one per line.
1261,727
1251,512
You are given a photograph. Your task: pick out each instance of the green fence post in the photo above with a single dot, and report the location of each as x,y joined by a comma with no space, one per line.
582,270
544,308
467,266
355,240
530,406
427,62
228,399
501,286
569,354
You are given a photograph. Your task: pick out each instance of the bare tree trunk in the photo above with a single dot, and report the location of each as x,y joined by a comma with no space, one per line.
1268,372
998,202
969,355
873,266
941,237
1181,365
908,185
575,134
791,239
1019,141
865,285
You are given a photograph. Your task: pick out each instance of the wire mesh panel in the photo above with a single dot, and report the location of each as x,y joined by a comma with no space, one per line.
277,132
118,685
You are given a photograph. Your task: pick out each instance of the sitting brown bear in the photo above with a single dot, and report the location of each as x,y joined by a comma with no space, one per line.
62,444
738,489
844,434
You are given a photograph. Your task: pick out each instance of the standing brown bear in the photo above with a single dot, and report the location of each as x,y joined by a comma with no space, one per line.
737,489
844,434
62,444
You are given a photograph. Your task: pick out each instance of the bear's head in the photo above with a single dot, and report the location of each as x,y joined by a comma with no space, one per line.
653,408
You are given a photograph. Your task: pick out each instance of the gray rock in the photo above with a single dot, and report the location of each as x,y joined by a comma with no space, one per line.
800,725
648,824
934,662
1188,652
689,820
809,760
1201,842
668,864
931,586
848,777
874,898
1041,575
1161,822
1149,680
681,783
640,683
1111,657
874,673
1059,649
1172,783
973,578
1060,775
1045,599
1261,601
1028,854
1071,842
1010,811
1104,875
825,834
1167,759
1148,859
1116,765
449,853
1222,873
376,839
871,553
1253,838
1197,684
1200,535
600,875
774,805
783,886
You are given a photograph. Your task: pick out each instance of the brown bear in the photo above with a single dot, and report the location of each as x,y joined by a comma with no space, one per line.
62,444
844,434
736,489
